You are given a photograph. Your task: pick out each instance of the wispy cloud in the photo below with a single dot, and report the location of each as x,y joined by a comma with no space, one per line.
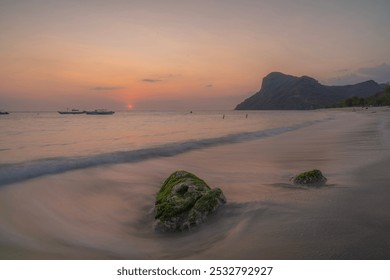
152,80
106,88
379,73
209,85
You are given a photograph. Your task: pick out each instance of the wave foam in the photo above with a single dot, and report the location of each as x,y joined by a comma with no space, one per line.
11,173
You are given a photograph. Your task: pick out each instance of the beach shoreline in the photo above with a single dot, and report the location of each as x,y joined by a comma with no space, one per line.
104,212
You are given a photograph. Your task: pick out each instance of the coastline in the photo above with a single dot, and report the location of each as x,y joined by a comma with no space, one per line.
103,212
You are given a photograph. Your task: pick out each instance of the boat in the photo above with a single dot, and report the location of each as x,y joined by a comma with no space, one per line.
100,112
72,112
4,113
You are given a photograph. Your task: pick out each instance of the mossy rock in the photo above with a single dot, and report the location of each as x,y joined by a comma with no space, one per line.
312,177
184,201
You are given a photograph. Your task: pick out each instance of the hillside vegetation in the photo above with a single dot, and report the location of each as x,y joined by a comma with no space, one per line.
379,99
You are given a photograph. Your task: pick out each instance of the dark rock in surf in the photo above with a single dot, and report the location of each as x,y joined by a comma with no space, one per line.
313,177
184,201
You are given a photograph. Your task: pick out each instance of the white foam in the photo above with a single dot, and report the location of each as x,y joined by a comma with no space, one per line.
11,173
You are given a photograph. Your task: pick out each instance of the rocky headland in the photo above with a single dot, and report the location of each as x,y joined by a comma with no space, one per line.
285,92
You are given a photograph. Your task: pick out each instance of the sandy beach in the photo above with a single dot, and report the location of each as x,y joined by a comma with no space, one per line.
104,212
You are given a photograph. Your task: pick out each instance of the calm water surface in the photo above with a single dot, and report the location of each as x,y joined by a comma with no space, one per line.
45,143
82,187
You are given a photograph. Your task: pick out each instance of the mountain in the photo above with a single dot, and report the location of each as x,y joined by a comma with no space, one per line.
379,99
285,92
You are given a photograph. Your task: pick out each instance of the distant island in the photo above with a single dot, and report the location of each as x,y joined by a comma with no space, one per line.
285,92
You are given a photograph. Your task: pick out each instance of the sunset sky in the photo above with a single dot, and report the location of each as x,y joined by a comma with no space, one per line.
178,54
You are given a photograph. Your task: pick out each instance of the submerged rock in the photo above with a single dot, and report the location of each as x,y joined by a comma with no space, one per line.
313,177
185,201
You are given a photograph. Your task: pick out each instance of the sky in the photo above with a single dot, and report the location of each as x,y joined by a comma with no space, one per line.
180,54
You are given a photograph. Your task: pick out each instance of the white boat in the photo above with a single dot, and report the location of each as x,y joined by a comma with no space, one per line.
72,112
100,112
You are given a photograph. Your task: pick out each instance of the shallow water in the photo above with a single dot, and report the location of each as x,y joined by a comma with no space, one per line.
36,144
33,136
104,212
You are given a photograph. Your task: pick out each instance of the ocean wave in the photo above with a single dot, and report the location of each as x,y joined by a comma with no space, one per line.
12,173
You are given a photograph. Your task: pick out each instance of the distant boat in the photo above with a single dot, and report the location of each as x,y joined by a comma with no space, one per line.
72,112
100,112
4,113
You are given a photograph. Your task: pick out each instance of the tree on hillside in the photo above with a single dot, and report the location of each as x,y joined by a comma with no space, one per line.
379,99
387,94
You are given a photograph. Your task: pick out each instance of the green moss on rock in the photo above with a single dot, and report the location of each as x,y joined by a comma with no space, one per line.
312,177
184,201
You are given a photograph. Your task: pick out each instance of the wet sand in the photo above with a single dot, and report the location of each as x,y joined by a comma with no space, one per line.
104,212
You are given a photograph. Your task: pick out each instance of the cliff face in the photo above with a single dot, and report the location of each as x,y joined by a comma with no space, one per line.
286,92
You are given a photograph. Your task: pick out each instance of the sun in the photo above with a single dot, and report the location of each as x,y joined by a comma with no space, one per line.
129,106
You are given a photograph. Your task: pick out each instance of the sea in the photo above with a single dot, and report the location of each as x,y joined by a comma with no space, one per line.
83,186
39,143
